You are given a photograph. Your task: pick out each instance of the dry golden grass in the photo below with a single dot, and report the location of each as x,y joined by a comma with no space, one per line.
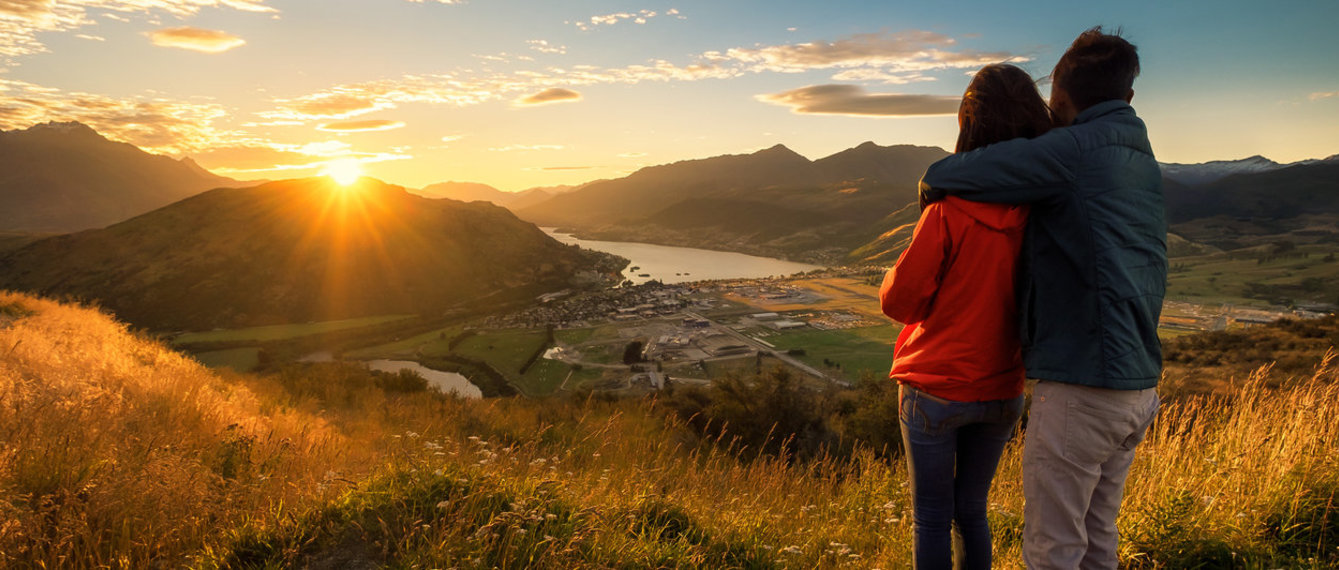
119,453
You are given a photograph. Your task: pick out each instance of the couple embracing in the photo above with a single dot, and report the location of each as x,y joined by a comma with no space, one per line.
1040,253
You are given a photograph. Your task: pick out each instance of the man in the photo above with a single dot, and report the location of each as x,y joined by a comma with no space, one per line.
1093,275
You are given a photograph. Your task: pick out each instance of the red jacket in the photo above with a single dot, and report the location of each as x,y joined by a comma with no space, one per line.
954,289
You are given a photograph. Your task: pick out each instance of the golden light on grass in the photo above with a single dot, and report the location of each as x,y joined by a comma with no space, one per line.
344,171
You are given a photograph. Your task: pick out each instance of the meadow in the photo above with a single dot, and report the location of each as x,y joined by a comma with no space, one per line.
281,332
120,453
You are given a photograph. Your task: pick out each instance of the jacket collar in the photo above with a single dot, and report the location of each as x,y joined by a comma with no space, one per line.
1102,109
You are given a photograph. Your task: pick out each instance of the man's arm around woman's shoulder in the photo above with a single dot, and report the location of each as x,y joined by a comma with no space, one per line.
1019,171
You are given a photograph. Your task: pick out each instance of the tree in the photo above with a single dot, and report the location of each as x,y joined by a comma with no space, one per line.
632,353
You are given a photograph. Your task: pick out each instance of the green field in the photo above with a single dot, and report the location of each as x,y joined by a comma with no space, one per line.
239,359
282,332
856,350
1256,276
430,343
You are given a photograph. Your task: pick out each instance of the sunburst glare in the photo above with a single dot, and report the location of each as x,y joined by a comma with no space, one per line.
344,171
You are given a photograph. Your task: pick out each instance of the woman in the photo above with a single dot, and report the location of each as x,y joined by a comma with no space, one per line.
958,360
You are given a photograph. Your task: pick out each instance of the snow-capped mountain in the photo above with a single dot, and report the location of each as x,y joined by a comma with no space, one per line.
1206,172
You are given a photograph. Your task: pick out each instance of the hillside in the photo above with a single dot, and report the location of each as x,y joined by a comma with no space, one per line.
296,251
120,450
771,202
1276,194
62,177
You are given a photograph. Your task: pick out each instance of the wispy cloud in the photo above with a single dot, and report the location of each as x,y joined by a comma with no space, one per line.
912,51
550,96
196,39
638,17
1322,95
22,20
339,103
360,126
891,58
155,124
853,100
543,46
261,157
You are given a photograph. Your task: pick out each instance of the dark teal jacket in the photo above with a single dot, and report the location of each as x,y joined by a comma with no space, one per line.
1093,270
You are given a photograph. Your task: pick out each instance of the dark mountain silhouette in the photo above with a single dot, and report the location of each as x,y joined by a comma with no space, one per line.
295,251
59,177
771,202
1281,193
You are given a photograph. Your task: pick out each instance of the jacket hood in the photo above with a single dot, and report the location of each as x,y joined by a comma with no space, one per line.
999,217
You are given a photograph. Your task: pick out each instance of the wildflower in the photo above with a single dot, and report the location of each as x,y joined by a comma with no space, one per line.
443,504
520,531
550,517
792,549
411,434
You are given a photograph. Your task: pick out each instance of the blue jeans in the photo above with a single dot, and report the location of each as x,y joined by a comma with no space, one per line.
952,451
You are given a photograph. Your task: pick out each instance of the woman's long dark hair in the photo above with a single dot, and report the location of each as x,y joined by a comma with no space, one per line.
1001,103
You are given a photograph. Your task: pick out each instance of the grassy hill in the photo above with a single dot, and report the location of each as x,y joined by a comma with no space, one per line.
121,453
61,177
298,251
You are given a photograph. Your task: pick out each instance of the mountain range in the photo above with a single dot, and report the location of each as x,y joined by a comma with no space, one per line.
62,177
298,251
847,208
771,202
474,191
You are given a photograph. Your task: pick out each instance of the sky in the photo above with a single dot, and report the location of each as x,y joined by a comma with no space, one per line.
527,93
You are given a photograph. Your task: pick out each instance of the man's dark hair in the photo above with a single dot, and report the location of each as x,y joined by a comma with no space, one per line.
1097,67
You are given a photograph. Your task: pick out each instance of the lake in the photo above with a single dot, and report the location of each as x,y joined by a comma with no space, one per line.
670,264
444,381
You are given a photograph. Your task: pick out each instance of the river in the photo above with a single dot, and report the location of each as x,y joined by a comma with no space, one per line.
670,264
444,381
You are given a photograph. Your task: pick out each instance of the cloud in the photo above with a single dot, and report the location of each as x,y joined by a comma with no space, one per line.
335,104
259,157
853,100
543,46
568,167
21,21
638,17
196,39
1322,95
154,124
360,126
890,58
526,147
632,155
549,96
910,51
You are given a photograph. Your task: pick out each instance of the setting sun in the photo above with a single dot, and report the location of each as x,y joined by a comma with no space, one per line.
344,171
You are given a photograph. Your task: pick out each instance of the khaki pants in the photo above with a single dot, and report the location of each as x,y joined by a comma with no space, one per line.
1076,454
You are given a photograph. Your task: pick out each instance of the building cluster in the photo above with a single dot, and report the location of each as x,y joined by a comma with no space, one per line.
566,309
